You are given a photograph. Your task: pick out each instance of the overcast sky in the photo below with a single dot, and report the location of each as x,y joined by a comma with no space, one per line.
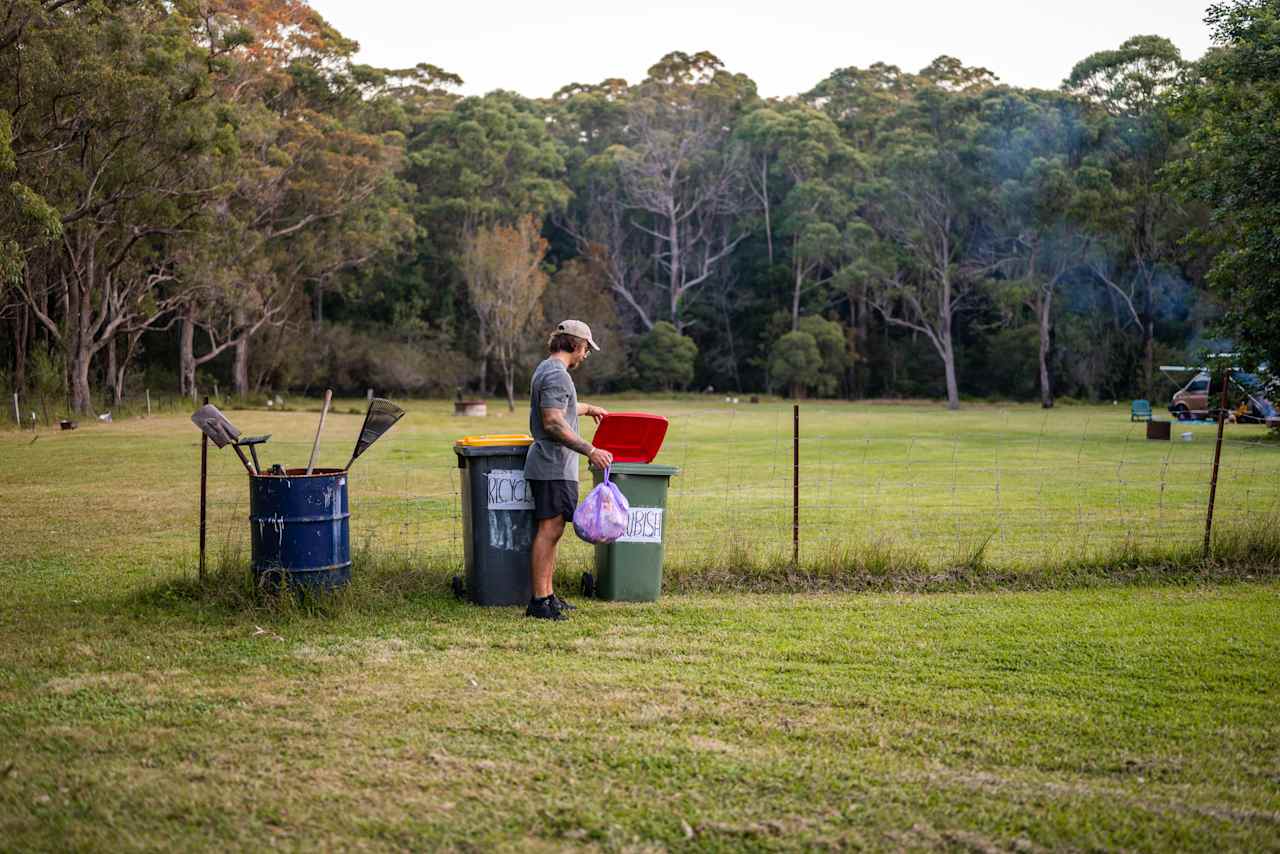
786,46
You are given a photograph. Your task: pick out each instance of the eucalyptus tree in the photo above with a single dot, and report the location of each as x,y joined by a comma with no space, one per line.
312,191
488,159
862,102
1229,165
680,182
125,88
1133,86
819,173
927,209
486,162
1046,183
502,266
591,124
28,223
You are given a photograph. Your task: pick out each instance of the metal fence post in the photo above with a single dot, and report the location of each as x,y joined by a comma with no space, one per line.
795,487
1217,457
204,480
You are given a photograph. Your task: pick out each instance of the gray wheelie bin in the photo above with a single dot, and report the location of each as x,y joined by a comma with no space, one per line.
497,520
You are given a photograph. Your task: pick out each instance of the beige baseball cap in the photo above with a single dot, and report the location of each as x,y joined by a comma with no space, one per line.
578,329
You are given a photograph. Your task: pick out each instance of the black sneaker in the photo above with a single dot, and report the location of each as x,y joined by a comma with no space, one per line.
544,609
563,605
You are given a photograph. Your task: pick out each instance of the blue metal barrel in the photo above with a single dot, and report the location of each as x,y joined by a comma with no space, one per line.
299,529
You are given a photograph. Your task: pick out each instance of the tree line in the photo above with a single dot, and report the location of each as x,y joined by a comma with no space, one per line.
197,190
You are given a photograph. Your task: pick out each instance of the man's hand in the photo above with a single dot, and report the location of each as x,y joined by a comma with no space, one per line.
600,458
593,411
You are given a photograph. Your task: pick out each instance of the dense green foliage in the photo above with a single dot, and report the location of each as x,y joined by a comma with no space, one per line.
193,193
664,358
1230,167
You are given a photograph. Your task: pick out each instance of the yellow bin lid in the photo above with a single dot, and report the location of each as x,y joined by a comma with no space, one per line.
494,440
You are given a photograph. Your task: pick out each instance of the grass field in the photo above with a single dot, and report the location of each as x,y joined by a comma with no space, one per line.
899,485
140,711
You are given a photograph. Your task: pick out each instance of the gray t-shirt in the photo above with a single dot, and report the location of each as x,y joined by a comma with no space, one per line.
551,388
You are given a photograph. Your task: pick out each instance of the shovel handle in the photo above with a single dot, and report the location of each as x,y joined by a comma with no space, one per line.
243,461
315,446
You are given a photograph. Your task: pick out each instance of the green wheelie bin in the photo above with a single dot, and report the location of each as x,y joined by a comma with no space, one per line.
630,569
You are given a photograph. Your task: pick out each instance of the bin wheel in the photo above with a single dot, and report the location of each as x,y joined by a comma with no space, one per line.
588,585
459,591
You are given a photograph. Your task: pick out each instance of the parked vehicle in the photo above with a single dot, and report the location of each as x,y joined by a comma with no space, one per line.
1248,399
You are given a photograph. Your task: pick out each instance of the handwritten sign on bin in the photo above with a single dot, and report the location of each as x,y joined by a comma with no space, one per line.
509,491
644,525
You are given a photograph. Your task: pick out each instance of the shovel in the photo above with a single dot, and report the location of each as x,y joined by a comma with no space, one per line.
252,442
380,418
219,430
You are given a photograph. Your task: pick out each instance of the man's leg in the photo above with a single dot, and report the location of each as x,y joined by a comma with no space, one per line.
546,544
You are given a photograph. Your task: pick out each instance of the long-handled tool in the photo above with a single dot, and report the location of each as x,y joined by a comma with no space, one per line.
315,446
252,442
380,417
221,431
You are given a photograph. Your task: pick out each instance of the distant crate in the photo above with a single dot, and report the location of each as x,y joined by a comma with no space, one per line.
473,408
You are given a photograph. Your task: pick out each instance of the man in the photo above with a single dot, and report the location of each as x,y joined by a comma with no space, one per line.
551,469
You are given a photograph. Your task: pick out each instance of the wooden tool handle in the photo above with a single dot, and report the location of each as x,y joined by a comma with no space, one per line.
315,447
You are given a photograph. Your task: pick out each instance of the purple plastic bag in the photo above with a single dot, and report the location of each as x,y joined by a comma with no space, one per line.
602,516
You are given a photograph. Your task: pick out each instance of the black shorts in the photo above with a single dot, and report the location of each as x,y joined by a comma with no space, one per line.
554,498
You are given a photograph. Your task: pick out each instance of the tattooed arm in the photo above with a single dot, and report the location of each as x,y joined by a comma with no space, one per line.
553,421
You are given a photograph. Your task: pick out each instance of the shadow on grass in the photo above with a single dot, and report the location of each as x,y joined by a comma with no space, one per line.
382,583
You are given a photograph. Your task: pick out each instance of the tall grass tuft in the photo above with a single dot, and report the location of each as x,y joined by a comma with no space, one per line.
381,581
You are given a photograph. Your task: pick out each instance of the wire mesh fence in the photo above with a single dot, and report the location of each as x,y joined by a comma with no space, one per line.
1019,491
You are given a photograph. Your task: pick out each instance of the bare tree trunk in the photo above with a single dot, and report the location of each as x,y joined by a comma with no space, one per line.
113,367
42,306
240,369
1148,358
949,365
509,378
729,337
21,340
795,293
860,354
764,198
117,377
117,383
673,237
187,353
81,356
1046,343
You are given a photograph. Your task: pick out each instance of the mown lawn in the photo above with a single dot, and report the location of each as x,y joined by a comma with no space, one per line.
1140,719
139,712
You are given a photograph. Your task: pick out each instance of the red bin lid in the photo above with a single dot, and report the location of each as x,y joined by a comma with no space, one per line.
632,437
